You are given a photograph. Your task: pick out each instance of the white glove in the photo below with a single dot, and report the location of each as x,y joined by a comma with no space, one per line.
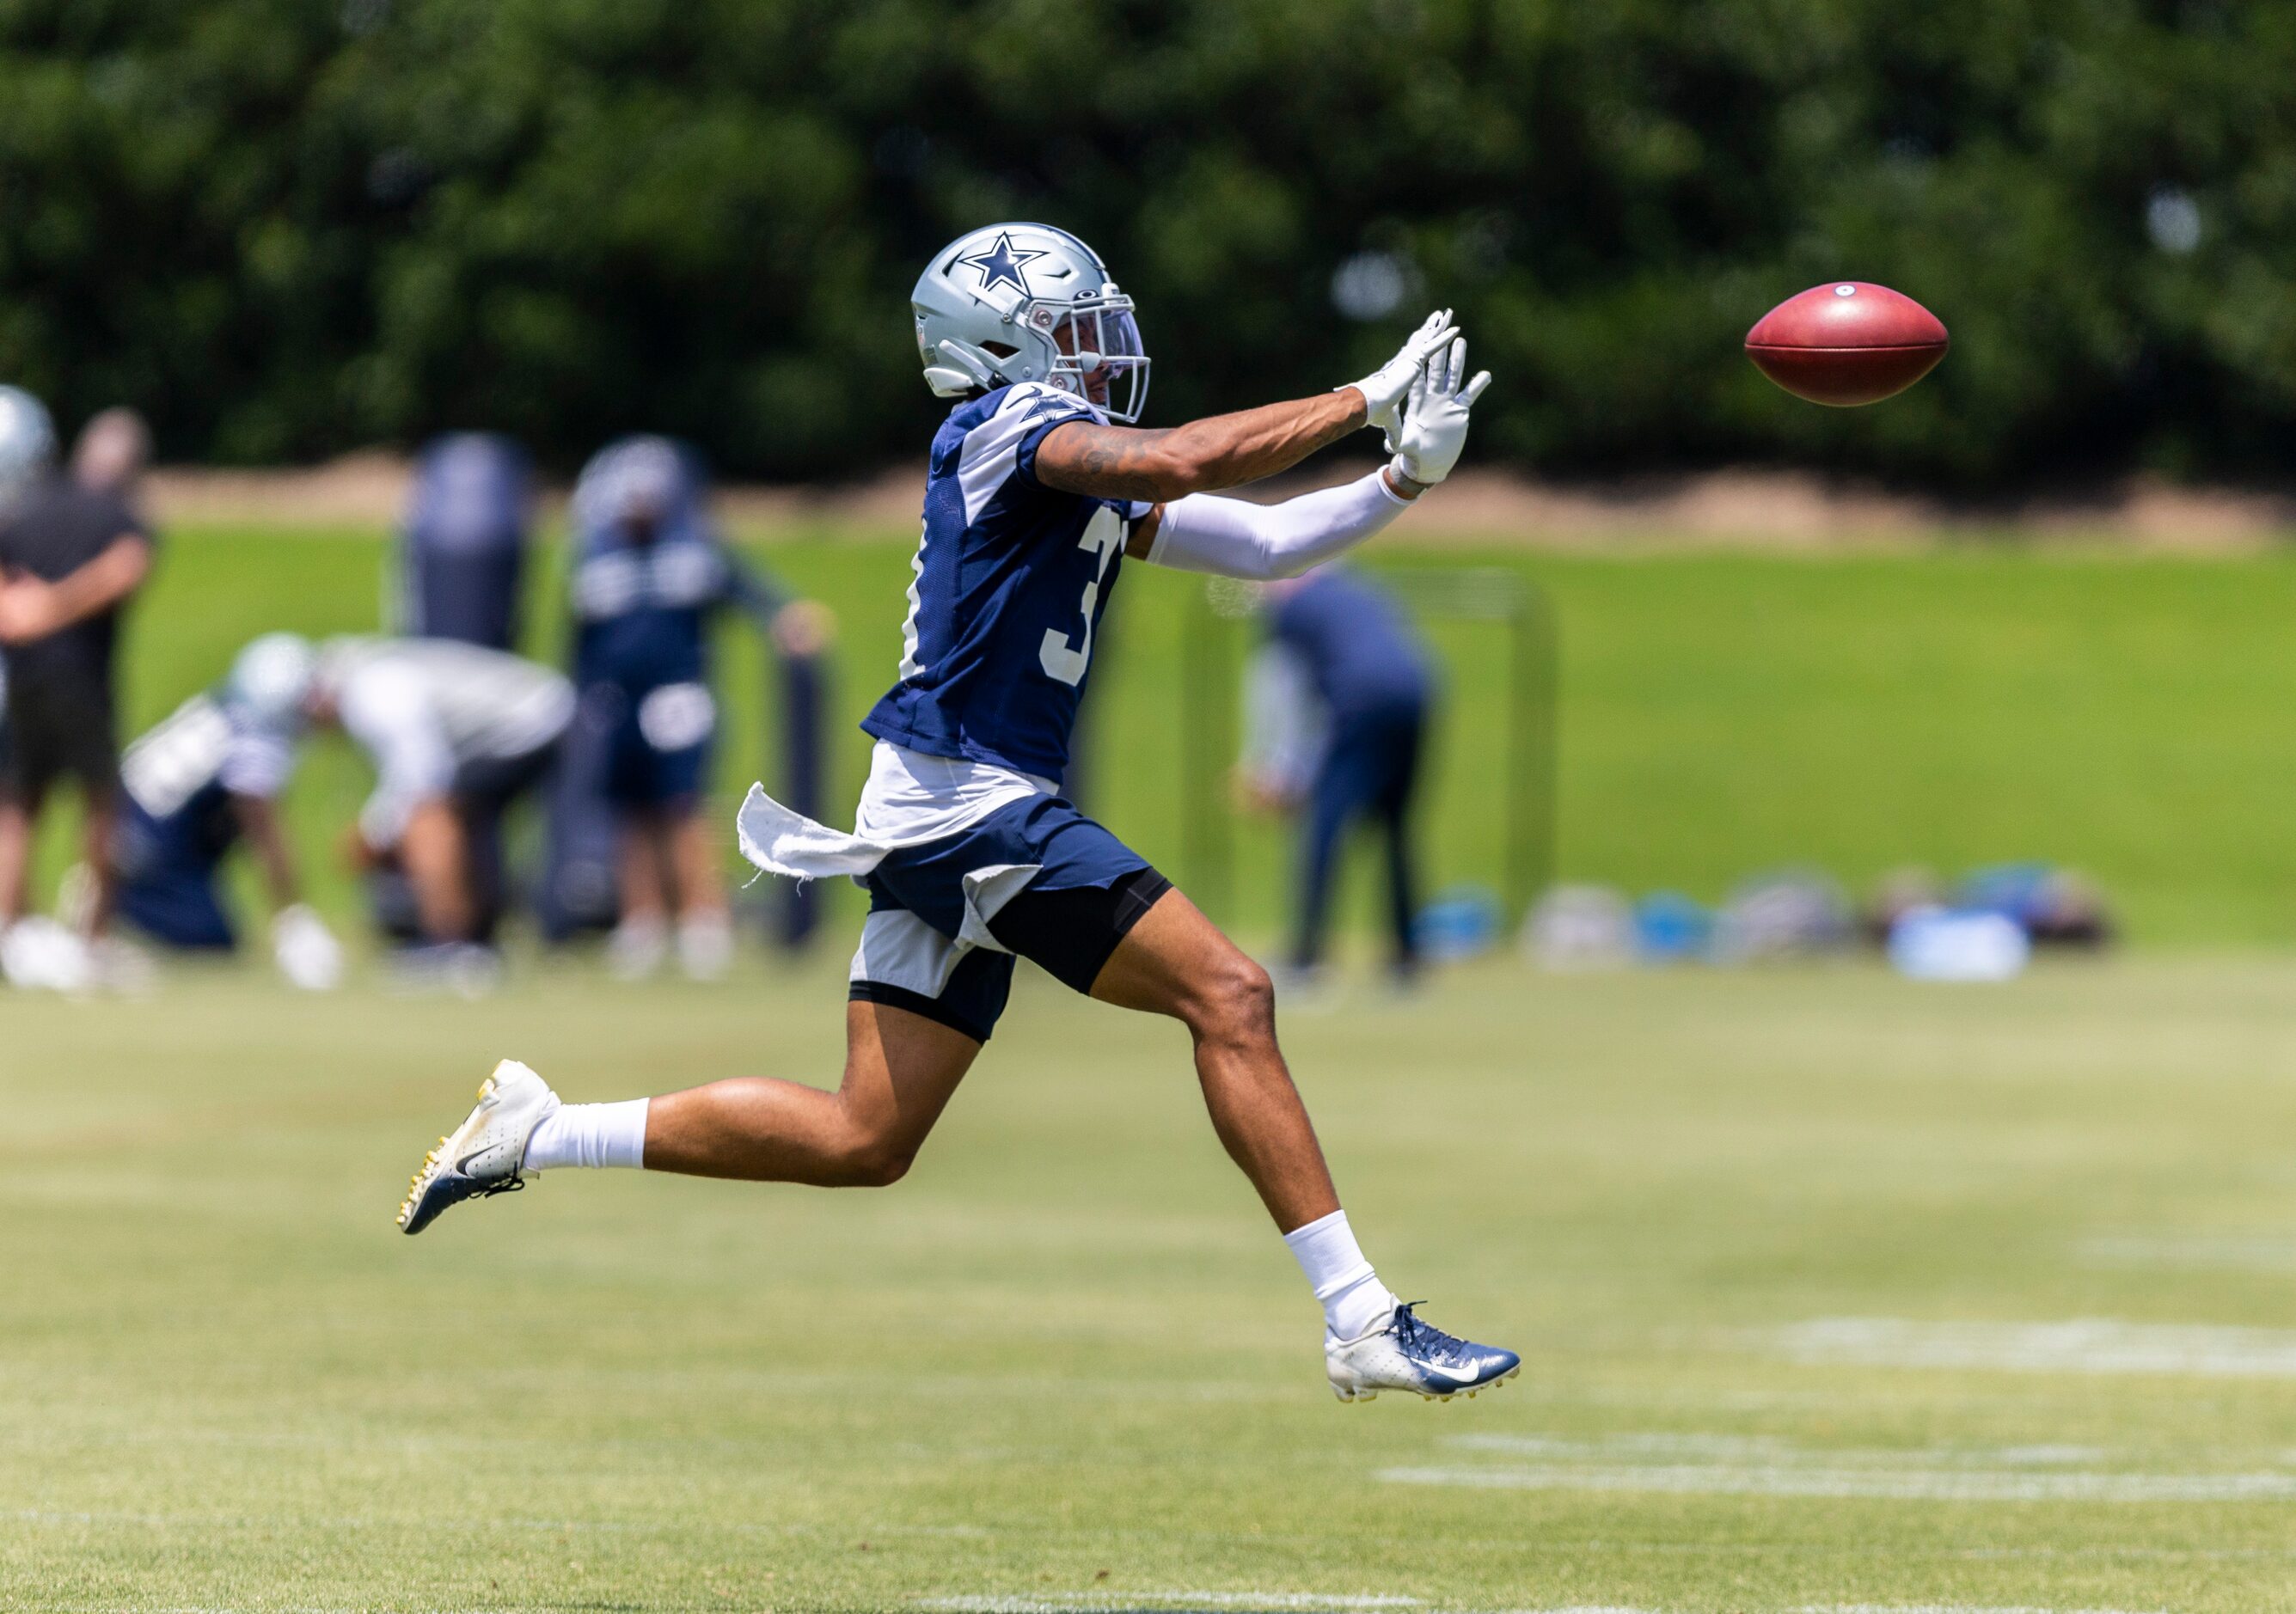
306,952
1434,429
1385,388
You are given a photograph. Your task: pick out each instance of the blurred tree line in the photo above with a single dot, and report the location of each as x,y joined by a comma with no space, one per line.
286,227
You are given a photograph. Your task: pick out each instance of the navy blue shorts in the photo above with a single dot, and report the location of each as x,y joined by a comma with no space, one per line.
168,881
1037,880
658,753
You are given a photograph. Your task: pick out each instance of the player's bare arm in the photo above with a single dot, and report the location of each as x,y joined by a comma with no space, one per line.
1234,538
259,824
1101,460
30,608
1203,456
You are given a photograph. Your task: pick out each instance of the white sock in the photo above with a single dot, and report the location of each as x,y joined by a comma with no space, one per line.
590,1135
705,946
1355,1301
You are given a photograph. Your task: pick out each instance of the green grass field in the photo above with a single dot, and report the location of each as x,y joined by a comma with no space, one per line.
1720,715
1066,1365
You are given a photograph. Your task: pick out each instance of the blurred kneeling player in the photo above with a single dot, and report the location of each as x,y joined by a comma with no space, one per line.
208,776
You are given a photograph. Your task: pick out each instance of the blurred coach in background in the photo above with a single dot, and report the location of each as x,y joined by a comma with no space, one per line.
72,552
1340,703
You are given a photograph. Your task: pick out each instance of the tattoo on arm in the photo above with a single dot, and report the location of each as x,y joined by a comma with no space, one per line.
1105,462
1221,451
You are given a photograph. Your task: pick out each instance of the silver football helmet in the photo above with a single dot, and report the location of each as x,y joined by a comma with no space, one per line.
271,680
1023,302
28,442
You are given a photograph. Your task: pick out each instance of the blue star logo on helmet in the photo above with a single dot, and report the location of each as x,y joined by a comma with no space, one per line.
1002,264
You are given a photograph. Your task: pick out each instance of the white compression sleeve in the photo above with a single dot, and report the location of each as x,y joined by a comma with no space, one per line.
1232,539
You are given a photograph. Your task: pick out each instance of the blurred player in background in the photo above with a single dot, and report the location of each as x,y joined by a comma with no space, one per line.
651,575
1034,497
73,554
203,782
1339,704
457,734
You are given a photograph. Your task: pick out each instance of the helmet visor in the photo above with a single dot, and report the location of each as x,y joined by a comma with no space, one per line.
1101,356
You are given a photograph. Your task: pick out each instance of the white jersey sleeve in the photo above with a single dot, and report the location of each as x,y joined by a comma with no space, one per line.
259,760
166,768
387,708
1004,445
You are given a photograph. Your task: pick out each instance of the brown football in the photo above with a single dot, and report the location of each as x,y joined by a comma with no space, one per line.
1847,342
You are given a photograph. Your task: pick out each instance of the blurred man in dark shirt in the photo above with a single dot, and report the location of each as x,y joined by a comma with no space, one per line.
1356,668
72,552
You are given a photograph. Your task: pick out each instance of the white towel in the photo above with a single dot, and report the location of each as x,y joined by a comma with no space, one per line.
783,842
909,800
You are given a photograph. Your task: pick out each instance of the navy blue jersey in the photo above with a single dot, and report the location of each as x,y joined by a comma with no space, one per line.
1359,649
649,570
1012,577
181,776
644,608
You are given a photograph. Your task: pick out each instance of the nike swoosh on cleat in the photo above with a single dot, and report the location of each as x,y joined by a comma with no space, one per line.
1456,1375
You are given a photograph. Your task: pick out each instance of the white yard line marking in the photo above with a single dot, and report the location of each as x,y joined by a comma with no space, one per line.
1739,1465
556,1527
1100,1601
1895,1485
2197,1252
2081,1345
1940,1608
1770,1450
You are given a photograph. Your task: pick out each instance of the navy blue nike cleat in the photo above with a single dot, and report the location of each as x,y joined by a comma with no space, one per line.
1405,1354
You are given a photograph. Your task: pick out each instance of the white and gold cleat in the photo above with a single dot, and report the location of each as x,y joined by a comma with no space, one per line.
485,1154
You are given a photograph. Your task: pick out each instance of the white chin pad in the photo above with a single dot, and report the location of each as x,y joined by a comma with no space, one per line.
947,383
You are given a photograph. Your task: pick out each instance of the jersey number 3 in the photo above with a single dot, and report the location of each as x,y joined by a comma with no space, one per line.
1103,535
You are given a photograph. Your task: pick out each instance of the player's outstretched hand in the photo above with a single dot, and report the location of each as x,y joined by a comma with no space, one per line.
1385,388
1434,429
306,950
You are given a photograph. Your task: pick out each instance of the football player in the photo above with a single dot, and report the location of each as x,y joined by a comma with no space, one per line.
651,573
207,778
457,734
1040,486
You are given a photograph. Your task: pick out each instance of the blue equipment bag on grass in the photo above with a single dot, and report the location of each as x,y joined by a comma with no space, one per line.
461,552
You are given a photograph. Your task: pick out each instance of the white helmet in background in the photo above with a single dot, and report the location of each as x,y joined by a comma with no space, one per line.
27,441
272,679
1023,302
631,480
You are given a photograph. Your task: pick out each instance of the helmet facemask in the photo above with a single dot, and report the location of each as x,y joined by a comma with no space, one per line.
1095,352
